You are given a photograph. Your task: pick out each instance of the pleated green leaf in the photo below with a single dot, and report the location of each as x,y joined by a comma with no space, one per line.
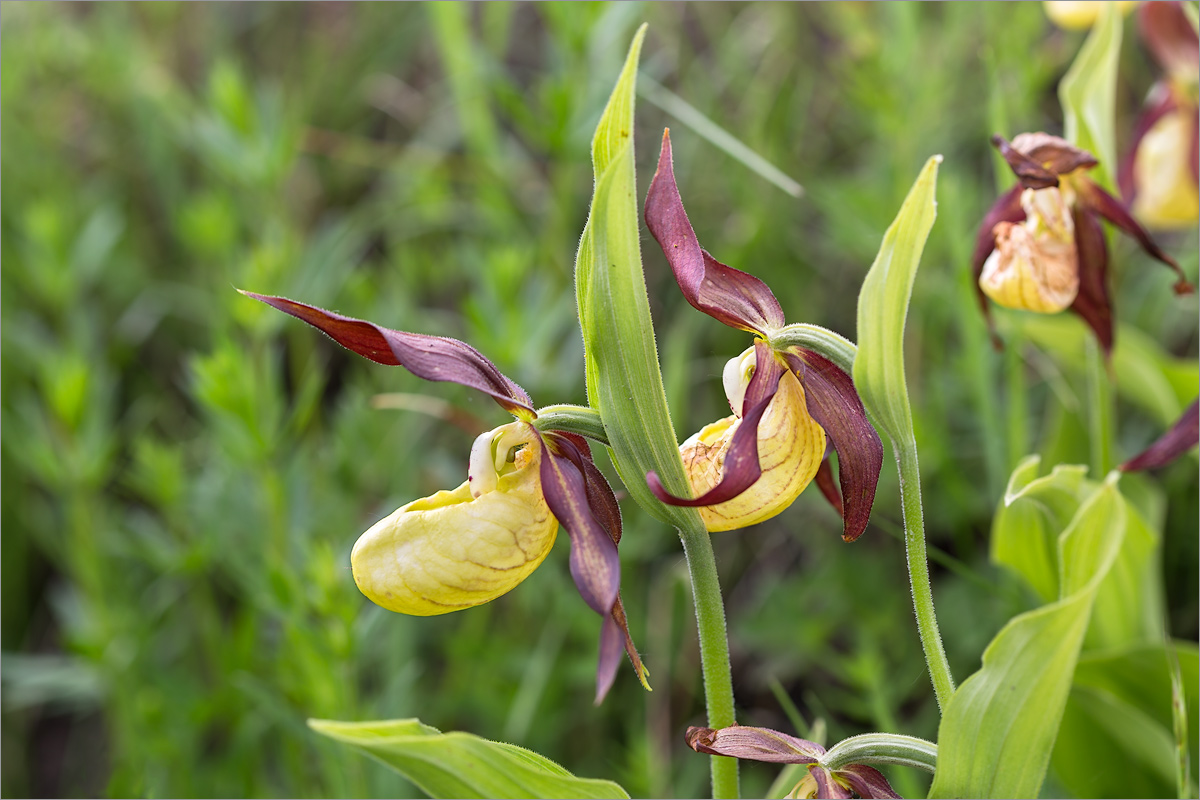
999,728
883,309
462,765
624,382
1088,94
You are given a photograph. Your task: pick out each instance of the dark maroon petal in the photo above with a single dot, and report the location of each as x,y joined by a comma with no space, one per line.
434,358
1092,302
1030,173
1194,155
594,563
1183,436
729,295
754,744
600,497
827,787
1053,152
741,467
1112,210
834,403
828,486
1170,36
1145,122
1006,209
867,782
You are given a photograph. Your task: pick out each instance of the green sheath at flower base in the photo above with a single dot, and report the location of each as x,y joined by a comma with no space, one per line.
624,382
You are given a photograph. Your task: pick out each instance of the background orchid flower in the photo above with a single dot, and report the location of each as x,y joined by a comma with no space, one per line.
1080,14
787,403
1041,248
1159,176
764,744
461,548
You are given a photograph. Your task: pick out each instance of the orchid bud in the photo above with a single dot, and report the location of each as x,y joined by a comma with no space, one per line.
1035,265
790,448
1079,14
465,547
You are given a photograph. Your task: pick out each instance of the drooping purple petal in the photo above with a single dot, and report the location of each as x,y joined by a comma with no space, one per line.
867,782
1092,302
827,787
1183,436
834,403
1170,36
731,296
610,657
1149,116
741,468
594,563
434,358
1006,209
1030,173
755,744
1112,210
1194,153
828,486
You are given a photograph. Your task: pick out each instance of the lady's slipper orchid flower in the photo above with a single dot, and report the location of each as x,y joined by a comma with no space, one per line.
788,404
764,744
1159,177
461,548
1041,248
1080,14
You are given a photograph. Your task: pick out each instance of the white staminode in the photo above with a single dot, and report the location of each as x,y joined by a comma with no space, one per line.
736,377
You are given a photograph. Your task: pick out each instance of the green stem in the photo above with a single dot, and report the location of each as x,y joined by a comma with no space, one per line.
714,650
882,748
918,571
573,419
1100,410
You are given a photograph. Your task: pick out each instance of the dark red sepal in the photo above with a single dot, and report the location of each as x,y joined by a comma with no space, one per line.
755,744
1112,210
1170,36
1145,122
741,467
827,787
1006,209
1092,302
1183,436
434,358
867,782
834,403
728,295
828,486
1030,173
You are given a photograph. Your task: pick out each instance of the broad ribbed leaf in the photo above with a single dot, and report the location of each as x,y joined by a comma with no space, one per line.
1088,94
459,764
434,358
883,308
623,379
998,729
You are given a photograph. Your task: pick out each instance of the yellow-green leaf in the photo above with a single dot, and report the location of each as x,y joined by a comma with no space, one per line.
1088,94
460,764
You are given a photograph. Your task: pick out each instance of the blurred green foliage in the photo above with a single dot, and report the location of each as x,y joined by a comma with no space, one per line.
185,471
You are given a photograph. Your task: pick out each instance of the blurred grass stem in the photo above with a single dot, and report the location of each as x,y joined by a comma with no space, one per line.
1100,410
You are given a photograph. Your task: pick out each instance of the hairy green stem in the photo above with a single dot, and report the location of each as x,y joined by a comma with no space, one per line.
582,420
714,650
918,571
1100,410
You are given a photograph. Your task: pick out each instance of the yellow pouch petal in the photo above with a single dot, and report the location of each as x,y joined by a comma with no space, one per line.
1035,266
790,448
1167,197
452,551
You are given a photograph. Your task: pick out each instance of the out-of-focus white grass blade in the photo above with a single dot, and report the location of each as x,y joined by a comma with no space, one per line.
657,94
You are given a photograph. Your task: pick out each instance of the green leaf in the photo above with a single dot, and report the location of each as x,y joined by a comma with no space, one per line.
998,729
1121,704
1088,94
623,379
460,764
883,309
